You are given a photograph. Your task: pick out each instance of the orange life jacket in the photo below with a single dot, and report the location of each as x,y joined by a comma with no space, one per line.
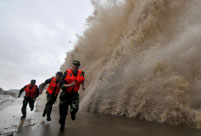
31,93
53,87
79,79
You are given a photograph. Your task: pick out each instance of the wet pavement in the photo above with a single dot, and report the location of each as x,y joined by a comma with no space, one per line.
86,124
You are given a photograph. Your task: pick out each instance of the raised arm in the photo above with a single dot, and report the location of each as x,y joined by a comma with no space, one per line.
21,91
42,85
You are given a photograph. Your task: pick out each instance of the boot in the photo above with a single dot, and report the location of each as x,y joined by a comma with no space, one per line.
32,108
44,113
23,116
62,127
48,118
72,115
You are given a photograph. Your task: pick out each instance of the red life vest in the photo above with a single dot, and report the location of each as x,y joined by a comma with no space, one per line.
71,78
31,93
53,87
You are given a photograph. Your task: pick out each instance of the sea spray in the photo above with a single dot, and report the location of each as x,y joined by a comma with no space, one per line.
143,59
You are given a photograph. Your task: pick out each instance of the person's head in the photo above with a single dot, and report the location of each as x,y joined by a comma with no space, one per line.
59,75
33,82
75,65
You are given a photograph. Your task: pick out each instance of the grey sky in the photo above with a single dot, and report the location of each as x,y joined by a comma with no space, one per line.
35,35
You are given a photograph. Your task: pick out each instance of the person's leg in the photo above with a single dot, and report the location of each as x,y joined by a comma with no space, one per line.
24,106
45,110
47,103
74,106
49,107
31,104
63,110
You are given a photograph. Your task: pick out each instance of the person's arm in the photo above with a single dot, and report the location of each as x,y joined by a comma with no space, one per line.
63,83
37,92
70,85
21,91
83,88
42,85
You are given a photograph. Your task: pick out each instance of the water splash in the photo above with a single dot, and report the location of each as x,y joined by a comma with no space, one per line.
143,59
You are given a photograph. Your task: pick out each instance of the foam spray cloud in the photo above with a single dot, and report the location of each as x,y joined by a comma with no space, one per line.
143,59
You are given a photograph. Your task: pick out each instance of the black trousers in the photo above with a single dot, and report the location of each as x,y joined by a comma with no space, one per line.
50,101
24,105
68,100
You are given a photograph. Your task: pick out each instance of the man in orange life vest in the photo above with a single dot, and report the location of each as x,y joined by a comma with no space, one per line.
31,93
52,93
69,96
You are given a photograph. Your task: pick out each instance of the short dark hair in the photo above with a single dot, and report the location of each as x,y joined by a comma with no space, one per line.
33,81
60,74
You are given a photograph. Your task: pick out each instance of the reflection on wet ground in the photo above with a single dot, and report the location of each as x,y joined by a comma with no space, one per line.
87,124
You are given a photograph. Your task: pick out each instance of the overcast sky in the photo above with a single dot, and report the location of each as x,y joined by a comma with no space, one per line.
35,35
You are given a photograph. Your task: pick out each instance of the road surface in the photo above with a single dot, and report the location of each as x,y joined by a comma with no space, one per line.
86,124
